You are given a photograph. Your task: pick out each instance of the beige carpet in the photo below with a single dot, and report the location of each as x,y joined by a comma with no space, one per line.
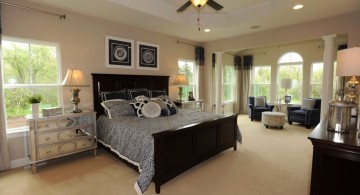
269,162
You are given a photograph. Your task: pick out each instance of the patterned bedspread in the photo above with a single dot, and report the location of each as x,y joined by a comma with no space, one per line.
130,137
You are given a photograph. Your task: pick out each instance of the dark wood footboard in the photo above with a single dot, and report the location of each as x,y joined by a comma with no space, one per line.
178,150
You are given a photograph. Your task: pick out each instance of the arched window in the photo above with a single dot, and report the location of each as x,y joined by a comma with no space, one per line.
290,66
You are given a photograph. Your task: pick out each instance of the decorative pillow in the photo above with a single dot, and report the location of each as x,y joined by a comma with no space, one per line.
141,98
307,104
111,95
161,103
168,111
259,101
116,108
132,93
137,106
151,110
156,93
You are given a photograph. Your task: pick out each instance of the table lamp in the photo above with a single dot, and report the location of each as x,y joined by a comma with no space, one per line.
181,80
348,64
286,84
75,78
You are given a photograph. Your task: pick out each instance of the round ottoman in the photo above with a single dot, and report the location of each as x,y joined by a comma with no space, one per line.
275,119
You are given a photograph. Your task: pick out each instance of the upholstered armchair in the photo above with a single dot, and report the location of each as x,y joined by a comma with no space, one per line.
307,114
257,107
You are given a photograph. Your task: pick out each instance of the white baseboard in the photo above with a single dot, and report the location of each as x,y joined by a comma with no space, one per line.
19,162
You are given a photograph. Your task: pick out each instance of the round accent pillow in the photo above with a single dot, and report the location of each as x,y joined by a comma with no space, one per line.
151,110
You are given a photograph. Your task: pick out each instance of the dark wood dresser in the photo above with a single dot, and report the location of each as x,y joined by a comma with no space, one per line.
336,161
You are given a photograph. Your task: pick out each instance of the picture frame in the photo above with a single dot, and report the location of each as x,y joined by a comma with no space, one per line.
191,96
287,99
147,56
119,52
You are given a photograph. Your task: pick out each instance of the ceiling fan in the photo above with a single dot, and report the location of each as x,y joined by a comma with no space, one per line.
200,3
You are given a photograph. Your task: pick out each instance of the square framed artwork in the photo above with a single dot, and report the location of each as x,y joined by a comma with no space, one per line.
119,52
147,56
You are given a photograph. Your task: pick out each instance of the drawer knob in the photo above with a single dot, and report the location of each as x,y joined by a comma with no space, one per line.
84,144
47,126
48,139
48,152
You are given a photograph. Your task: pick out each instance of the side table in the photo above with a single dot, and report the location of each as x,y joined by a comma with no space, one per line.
197,105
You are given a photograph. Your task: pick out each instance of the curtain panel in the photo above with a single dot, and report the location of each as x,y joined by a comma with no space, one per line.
4,151
199,56
243,77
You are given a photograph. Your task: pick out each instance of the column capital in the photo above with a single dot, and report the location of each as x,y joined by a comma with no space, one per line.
329,37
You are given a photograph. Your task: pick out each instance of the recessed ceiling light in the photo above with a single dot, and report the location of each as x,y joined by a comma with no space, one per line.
298,6
207,30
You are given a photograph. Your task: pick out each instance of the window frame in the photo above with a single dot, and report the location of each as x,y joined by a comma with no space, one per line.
232,99
260,84
311,80
295,84
57,85
195,79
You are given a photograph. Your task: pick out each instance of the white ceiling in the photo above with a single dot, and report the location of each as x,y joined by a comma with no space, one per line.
236,18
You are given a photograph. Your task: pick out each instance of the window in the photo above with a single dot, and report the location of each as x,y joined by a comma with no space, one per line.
290,66
229,83
188,68
316,77
28,67
262,81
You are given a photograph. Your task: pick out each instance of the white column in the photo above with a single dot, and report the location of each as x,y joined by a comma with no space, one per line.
218,82
328,72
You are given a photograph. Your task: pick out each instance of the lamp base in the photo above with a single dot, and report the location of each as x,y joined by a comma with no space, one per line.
75,100
180,93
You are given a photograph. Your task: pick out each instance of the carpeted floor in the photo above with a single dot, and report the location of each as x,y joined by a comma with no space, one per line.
268,162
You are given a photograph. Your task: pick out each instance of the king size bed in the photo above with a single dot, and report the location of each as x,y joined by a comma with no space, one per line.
159,148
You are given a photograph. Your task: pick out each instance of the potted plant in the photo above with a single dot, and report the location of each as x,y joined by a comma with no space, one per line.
35,101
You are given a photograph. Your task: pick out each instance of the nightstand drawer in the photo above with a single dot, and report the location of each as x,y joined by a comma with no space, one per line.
47,125
57,136
54,150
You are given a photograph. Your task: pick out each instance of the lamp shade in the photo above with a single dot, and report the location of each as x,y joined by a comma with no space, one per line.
198,2
74,77
286,83
181,80
348,62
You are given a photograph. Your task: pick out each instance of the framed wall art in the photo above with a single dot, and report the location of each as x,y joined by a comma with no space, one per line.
147,56
119,52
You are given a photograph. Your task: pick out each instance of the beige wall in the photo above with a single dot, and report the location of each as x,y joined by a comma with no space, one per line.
82,43
341,25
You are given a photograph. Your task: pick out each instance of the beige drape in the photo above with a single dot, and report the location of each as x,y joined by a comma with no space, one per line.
4,152
243,90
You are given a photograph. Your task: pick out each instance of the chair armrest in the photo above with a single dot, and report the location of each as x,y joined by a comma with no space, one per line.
251,106
313,111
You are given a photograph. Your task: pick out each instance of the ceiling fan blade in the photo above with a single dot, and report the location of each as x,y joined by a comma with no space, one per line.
214,5
183,7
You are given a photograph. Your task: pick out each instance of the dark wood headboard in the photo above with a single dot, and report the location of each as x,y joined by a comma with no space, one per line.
113,82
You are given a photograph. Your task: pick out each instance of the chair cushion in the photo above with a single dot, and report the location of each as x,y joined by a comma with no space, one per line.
298,113
260,109
259,102
307,104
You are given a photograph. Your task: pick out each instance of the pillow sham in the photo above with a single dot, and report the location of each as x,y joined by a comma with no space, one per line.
156,93
307,104
132,93
116,108
110,95
171,107
151,110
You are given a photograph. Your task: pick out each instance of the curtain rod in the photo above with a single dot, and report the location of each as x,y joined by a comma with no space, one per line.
186,43
33,9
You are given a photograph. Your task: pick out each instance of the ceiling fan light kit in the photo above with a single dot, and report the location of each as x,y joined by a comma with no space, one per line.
199,3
